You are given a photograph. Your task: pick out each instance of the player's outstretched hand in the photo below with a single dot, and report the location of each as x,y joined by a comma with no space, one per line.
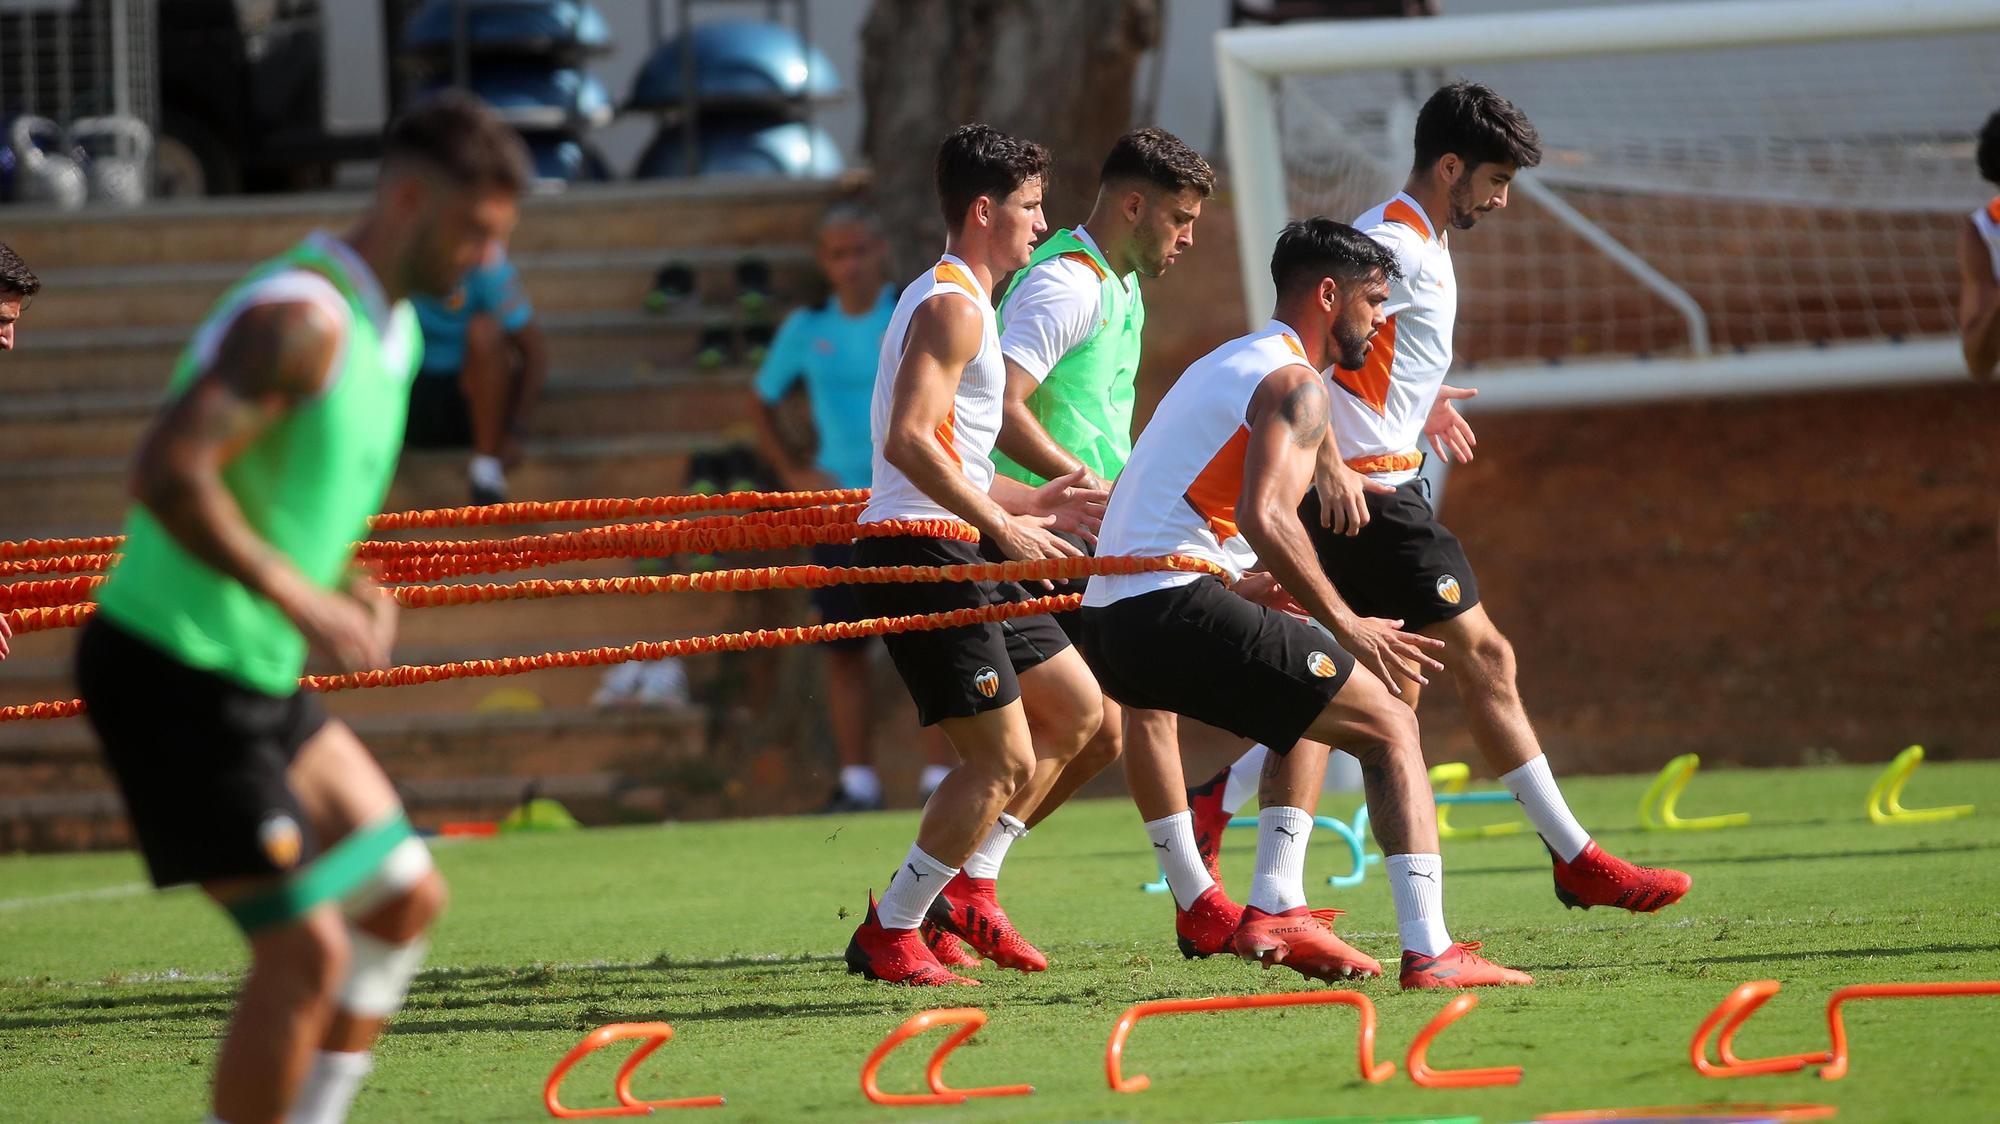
5,632
338,627
1263,589
1027,538
1449,433
1074,503
383,611
1384,648
1343,498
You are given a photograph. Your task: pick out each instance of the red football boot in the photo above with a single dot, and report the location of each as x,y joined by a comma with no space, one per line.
1458,966
1205,801
1595,878
1302,940
1204,928
949,950
973,914
896,956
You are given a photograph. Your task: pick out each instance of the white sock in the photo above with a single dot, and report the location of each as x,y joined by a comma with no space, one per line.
985,862
911,891
1279,882
860,782
1416,882
1535,790
487,472
330,1087
1243,779
1180,860
934,776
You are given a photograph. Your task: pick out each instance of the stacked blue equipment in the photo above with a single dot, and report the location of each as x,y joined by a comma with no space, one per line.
526,59
744,103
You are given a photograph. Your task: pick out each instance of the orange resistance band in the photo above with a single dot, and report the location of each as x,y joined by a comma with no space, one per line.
556,511
46,617
645,650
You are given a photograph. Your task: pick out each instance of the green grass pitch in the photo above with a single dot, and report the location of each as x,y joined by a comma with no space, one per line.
112,1001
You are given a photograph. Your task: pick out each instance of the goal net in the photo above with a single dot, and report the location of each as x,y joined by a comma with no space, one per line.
1733,197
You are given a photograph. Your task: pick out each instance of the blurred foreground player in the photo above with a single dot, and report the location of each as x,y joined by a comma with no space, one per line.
277,443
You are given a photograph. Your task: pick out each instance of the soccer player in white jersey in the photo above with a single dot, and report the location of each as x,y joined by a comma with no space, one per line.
1218,474
1979,266
1016,701
1370,517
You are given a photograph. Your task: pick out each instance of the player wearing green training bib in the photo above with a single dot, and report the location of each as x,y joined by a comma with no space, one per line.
1070,328
277,442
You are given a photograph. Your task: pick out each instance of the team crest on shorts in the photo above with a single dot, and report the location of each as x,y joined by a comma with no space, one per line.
1322,665
279,836
988,681
1448,590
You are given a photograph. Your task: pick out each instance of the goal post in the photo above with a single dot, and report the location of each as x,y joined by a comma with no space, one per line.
1735,197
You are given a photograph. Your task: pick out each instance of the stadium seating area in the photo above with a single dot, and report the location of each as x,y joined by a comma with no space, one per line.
625,408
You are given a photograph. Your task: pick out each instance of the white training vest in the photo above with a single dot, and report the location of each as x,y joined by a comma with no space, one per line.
973,424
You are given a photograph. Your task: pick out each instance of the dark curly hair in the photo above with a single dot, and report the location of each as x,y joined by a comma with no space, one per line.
1480,126
978,160
1310,249
15,276
1989,150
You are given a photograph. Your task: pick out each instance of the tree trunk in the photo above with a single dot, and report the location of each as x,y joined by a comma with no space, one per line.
1058,72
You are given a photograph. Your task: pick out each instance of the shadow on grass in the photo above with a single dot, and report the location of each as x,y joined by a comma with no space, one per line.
570,999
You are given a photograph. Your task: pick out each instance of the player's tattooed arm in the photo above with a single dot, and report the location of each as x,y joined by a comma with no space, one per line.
1303,409
271,358
1277,470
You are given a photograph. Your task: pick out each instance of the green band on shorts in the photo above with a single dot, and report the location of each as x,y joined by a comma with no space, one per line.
331,877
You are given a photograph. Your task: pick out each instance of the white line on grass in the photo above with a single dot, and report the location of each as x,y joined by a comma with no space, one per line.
123,891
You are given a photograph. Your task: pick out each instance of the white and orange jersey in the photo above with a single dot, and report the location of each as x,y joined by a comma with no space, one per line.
1986,220
969,429
1178,492
1379,411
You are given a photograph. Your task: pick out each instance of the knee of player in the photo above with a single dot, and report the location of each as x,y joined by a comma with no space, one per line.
402,898
1104,747
419,907
1388,731
1016,767
1491,658
311,953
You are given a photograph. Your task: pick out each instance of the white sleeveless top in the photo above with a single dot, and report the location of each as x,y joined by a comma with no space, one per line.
969,430
1379,411
1178,492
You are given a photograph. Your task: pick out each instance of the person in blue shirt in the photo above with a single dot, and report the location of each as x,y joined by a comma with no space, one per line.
832,349
484,362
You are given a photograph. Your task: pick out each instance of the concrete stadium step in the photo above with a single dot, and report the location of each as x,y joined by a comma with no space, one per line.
181,294
444,765
85,360
706,212
109,423
87,495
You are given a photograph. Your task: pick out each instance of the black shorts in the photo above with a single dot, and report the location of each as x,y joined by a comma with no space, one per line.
1404,565
1200,650
838,604
1070,622
954,672
440,417
200,759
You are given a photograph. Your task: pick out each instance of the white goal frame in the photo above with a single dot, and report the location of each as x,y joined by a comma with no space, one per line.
1249,61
